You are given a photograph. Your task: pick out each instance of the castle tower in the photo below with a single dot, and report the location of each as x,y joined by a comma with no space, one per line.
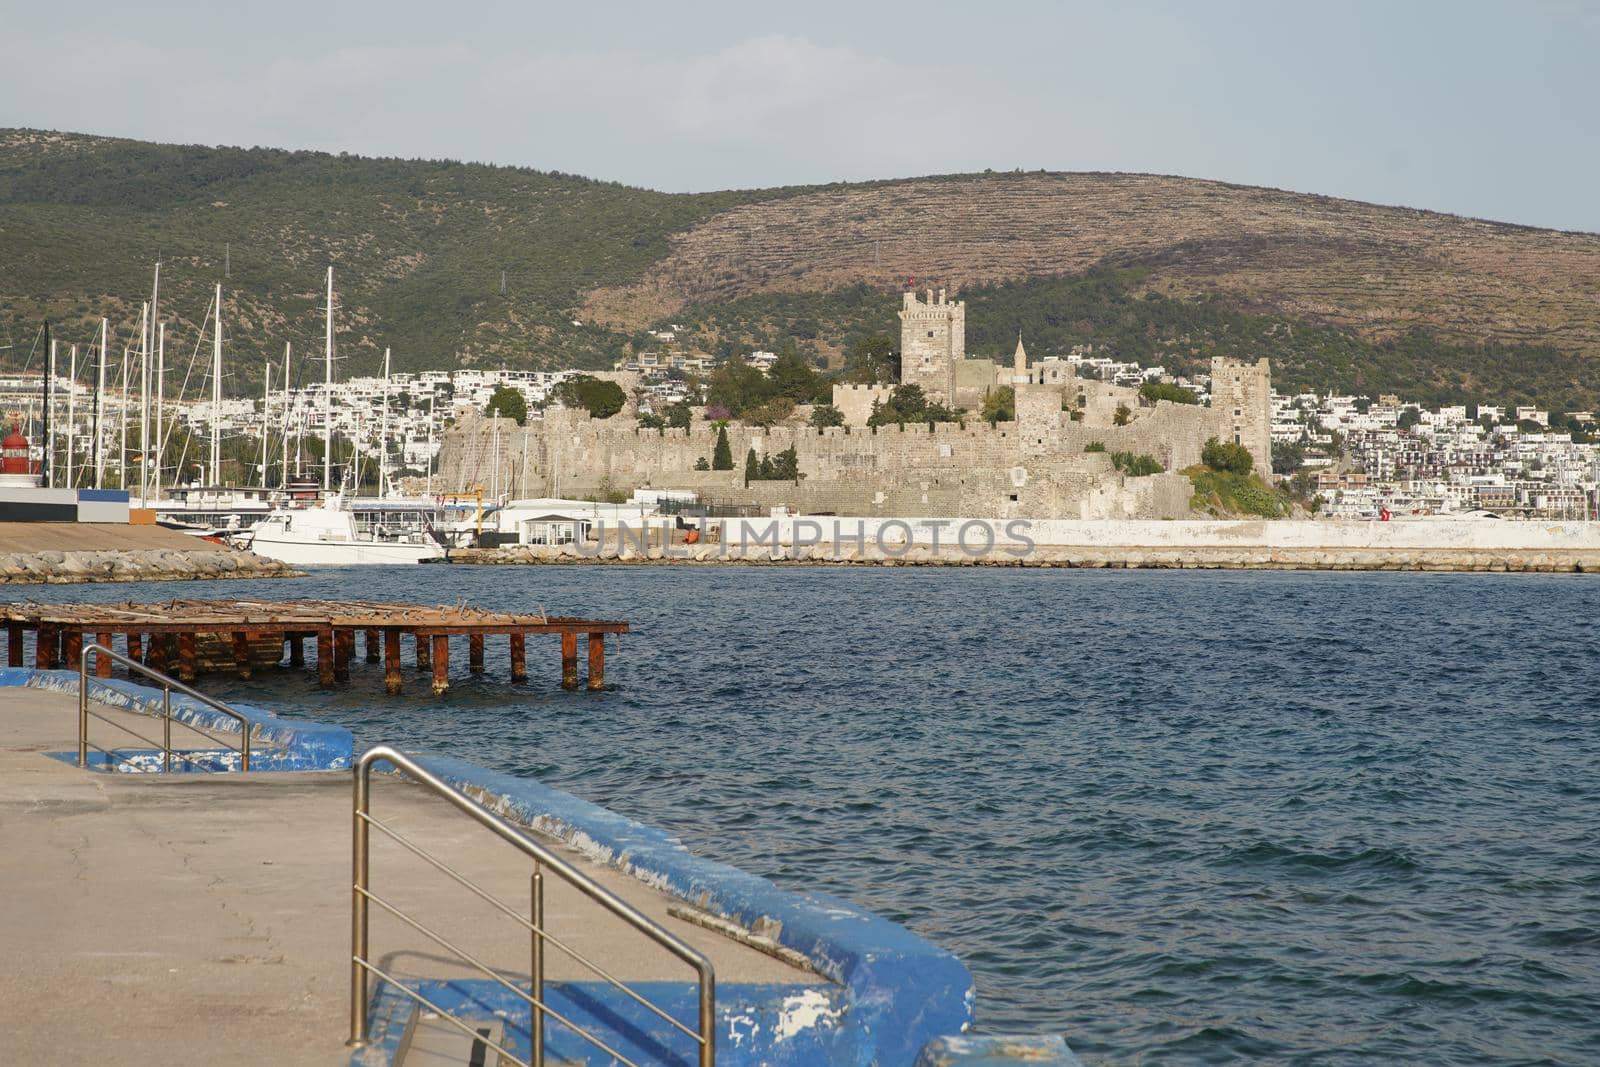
1241,407
933,339
1019,363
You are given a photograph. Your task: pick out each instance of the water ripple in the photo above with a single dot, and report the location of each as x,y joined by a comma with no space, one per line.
1178,817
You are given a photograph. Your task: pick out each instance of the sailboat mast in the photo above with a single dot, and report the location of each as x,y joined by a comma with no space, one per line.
144,402
48,437
99,404
283,477
266,417
216,394
383,431
72,411
327,395
161,377
431,396
122,453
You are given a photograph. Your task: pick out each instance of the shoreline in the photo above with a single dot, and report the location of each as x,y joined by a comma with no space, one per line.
1072,557
69,553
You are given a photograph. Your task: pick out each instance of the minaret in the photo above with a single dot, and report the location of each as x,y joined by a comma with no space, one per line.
1019,363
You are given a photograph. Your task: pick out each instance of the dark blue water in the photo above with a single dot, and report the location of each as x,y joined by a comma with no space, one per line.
1178,817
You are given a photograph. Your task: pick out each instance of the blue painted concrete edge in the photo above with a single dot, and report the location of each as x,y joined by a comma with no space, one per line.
903,991
759,1024
295,744
991,1050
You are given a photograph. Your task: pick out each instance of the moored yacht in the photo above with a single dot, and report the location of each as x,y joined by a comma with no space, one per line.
329,535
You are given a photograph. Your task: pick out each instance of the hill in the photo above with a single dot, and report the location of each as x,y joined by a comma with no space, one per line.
1341,294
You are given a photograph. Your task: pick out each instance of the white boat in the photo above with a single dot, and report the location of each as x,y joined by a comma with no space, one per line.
328,536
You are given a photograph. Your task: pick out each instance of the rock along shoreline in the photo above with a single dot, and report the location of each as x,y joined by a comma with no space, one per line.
1062,556
58,567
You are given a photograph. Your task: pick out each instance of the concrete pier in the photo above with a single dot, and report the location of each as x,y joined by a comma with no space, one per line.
158,919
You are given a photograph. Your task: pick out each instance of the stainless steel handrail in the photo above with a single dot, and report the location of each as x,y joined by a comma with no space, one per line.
361,966
168,686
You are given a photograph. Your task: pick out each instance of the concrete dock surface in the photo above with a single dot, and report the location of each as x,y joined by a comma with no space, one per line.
94,536
157,919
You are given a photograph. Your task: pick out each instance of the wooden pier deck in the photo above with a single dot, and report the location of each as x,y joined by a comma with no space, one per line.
185,637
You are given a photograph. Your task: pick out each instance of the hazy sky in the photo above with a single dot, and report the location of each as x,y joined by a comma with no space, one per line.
1482,109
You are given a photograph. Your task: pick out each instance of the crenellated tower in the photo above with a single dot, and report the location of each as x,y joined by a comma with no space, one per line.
933,340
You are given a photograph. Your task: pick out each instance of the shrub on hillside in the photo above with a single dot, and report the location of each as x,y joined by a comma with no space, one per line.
1226,456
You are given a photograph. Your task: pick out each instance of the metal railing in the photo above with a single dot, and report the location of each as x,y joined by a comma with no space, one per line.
361,965
168,686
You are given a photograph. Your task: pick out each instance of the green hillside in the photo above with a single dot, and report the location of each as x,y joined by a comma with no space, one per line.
1338,294
1123,318
418,249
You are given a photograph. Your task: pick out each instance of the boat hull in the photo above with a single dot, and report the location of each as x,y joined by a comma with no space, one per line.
342,553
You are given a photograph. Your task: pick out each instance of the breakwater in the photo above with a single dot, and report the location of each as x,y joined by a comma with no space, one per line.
52,567
1464,545
54,553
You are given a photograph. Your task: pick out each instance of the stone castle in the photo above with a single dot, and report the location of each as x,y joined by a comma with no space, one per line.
1035,466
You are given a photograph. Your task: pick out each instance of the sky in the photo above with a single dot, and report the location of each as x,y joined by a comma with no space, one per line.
1479,109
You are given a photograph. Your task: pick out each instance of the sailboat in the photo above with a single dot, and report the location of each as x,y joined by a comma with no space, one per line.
328,534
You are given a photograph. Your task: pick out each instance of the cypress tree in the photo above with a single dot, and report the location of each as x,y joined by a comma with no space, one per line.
752,469
722,455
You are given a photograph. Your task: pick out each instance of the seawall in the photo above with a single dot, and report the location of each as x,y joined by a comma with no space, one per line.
38,553
1465,545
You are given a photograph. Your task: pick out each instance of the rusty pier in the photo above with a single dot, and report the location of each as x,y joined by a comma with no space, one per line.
189,637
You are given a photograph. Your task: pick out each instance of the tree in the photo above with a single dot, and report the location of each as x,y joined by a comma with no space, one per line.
1287,457
905,404
825,415
508,403
1000,405
601,399
722,455
1136,466
776,409
1154,391
701,464
1122,416
786,466
737,386
1226,456
1409,417
795,379
679,415
872,360
752,468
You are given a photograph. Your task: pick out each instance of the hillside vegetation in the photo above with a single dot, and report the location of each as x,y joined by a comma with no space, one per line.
1339,294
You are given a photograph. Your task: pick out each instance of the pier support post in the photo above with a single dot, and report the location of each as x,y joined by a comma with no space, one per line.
241,654
133,642
297,650
160,655
102,664
391,661
14,644
475,652
325,658
72,649
187,671
519,657
372,646
424,652
569,661
597,662
441,664
44,648
344,648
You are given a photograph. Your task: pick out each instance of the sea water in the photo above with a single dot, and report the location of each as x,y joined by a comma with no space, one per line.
1174,816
